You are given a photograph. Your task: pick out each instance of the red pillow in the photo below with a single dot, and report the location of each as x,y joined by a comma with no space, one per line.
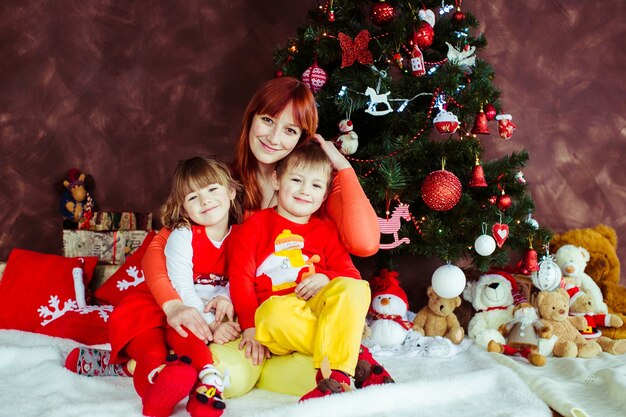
127,279
88,325
37,286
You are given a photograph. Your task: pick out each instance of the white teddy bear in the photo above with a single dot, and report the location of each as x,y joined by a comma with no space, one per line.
572,260
492,298
348,140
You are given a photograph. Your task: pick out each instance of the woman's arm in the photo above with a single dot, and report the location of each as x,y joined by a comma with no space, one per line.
349,208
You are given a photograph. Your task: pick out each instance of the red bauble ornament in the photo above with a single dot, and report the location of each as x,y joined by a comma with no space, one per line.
441,190
314,77
381,13
490,111
278,73
504,201
423,36
458,17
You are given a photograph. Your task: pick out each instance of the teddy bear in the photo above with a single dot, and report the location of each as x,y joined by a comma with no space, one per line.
388,310
348,140
603,267
572,260
522,335
438,318
553,307
492,299
77,205
581,305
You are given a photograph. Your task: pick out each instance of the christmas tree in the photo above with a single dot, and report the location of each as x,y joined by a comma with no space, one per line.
402,90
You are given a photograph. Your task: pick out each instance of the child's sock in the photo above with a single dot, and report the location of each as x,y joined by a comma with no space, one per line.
327,386
169,384
369,371
94,362
206,398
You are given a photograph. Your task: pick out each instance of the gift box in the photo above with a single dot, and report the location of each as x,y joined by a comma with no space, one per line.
111,248
122,220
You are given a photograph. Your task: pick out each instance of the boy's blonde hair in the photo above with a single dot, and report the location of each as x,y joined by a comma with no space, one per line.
310,155
194,174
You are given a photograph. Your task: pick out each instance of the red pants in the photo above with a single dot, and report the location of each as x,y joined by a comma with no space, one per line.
190,346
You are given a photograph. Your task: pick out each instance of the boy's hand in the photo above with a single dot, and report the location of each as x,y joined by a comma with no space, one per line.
338,160
252,348
225,332
179,315
222,307
311,285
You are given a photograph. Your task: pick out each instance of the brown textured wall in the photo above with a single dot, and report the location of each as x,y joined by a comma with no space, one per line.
124,89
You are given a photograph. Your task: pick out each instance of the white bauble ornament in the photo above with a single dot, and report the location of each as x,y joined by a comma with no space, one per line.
548,277
448,281
484,245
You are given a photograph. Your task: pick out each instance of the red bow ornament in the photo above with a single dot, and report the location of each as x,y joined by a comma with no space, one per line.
356,50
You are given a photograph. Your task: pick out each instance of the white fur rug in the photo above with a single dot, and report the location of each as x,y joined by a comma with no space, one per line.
432,380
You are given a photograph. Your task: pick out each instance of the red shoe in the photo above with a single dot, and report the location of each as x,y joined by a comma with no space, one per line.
169,386
205,401
369,372
327,386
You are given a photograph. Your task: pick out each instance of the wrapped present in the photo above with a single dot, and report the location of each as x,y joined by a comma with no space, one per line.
122,220
110,247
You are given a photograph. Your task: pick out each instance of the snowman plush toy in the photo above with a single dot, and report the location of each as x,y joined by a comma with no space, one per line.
388,311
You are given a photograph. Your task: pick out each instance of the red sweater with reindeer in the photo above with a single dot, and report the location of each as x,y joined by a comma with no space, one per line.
269,255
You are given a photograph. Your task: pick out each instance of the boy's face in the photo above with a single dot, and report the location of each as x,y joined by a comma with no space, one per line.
301,191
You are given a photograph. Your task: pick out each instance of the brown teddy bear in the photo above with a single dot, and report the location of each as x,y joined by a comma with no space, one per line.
438,318
581,305
553,307
603,266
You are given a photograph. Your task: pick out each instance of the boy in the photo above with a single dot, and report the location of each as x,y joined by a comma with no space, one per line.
293,284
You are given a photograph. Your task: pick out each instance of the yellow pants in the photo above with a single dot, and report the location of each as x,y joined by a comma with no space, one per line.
329,324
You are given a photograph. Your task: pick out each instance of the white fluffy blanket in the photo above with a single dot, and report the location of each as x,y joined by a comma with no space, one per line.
432,382
577,387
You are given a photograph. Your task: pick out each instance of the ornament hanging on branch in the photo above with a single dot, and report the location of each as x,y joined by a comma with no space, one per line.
331,12
478,175
446,122
427,16
441,190
519,176
484,244
348,141
548,276
505,126
532,222
448,281
357,50
500,232
480,124
382,13
529,262
458,17
504,201
490,111
423,36
417,62
391,225
463,59
314,77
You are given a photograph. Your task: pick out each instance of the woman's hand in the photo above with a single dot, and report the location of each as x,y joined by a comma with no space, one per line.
222,306
336,158
252,348
179,315
225,332
311,285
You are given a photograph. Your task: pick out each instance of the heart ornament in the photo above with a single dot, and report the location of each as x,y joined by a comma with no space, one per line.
500,233
427,16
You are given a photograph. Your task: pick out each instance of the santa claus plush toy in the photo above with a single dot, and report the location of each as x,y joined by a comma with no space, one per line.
388,310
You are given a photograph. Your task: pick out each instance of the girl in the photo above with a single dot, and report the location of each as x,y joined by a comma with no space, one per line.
200,208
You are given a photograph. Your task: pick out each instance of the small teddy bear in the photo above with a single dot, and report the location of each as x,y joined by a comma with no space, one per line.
553,307
348,140
522,335
77,205
581,305
438,318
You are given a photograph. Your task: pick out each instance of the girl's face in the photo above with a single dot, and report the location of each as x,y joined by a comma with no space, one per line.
209,206
272,138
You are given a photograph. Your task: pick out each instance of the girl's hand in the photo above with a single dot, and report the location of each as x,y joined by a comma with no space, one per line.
179,315
222,307
311,285
225,332
252,348
336,158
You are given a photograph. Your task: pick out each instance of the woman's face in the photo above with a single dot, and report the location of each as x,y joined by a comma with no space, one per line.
272,138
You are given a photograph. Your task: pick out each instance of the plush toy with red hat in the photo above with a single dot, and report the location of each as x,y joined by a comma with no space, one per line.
388,310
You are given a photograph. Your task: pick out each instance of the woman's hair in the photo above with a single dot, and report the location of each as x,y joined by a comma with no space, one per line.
271,99
194,174
308,155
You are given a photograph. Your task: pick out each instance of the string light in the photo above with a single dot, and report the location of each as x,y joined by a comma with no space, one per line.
403,106
444,8
342,92
433,69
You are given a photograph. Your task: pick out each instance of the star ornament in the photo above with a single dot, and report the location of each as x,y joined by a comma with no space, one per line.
356,50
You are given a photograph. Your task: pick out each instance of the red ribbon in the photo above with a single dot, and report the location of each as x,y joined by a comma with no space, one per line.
356,50
393,317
